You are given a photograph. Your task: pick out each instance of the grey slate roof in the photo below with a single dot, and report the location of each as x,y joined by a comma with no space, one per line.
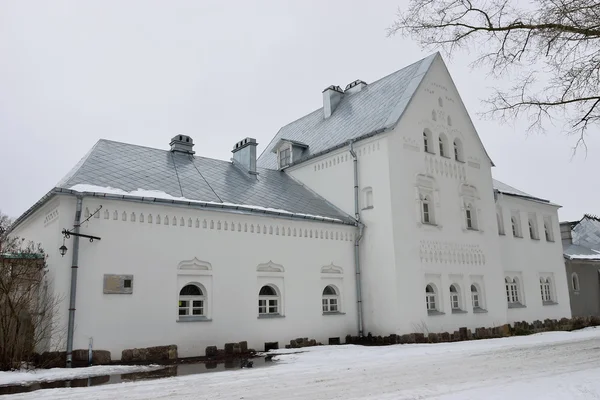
377,106
509,190
129,167
576,252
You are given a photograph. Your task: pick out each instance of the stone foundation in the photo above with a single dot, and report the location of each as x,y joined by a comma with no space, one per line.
150,354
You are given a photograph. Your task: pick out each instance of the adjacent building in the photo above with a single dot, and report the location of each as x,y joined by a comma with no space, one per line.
375,213
581,243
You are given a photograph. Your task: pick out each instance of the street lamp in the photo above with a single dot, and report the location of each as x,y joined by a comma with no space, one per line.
67,234
63,250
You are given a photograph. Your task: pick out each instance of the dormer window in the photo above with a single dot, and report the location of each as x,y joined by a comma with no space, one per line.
289,151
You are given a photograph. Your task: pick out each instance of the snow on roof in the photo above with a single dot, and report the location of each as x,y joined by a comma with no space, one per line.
157,194
511,191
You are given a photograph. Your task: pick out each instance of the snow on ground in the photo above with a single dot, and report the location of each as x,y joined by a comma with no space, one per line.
59,374
556,365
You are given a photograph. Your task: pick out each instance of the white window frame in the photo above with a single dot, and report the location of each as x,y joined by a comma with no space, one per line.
455,299
427,141
443,145
458,150
546,290
476,297
192,305
270,304
471,217
500,223
532,225
513,292
431,298
367,198
548,229
427,215
515,222
330,302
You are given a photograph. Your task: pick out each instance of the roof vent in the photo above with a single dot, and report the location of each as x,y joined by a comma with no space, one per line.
182,144
331,98
355,86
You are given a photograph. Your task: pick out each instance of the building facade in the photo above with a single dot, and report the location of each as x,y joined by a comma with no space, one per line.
375,213
581,244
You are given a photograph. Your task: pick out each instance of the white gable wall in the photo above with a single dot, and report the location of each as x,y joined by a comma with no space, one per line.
447,253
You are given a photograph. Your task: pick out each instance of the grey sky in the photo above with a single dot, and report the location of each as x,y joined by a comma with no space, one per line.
140,72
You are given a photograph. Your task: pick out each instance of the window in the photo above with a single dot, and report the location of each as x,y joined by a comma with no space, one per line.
430,298
426,210
454,298
427,141
475,297
127,283
533,228
545,290
367,198
516,228
330,299
440,102
443,145
470,217
458,150
512,290
191,301
285,157
500,223
548,229
575,282
268,301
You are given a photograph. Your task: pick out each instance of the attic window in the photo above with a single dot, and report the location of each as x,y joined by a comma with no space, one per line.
285,156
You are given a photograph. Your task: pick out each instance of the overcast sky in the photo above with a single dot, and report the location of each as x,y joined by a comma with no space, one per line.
73,72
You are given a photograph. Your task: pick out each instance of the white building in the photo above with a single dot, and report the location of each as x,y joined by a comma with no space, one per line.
198,252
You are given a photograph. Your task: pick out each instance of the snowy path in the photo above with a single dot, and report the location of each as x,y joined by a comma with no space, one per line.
556,365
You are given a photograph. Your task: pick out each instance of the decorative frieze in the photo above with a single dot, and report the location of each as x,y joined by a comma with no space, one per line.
445,167
439,252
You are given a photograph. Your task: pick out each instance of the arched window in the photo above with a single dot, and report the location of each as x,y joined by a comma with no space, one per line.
470,217
330,299
431,298
454,298
458,150
192,301
515,227
443,142
512,290
268,300
475,297
500,224
426,210
575,282
545,290
427,144
532,229
449,121
548,231
433,115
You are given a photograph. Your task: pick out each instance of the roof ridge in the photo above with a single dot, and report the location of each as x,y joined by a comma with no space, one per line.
77,166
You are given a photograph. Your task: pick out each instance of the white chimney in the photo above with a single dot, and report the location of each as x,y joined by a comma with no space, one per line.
182,144
331,98
244,154
355,86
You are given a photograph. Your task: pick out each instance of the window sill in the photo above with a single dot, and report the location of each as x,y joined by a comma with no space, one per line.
460,161
516,305
334,313
535,239
550,241
193,319
549,303
473,229
432,313
368,208
501,234
518,237
458,311
429,224
479,310
443,156
429,152
269,316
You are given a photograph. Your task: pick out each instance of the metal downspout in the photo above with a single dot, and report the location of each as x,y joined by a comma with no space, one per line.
357,243
73,282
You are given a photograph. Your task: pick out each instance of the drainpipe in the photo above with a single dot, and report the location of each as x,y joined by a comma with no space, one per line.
357,243
73,282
